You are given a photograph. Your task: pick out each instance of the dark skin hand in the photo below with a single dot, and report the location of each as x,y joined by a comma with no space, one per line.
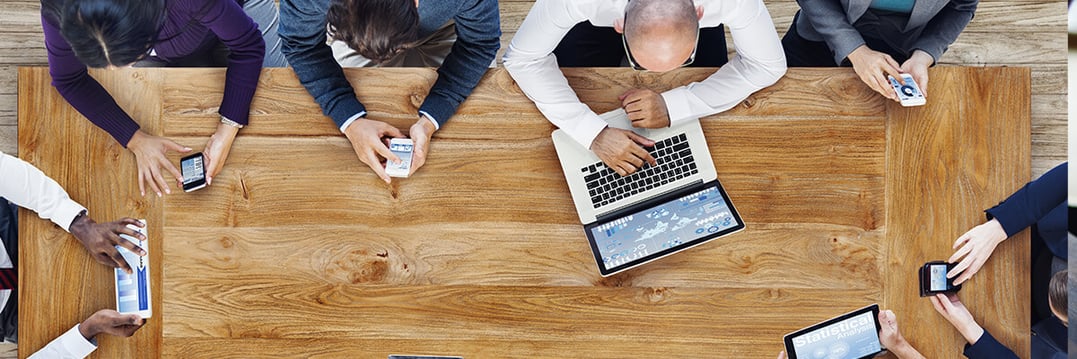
110,322
100,239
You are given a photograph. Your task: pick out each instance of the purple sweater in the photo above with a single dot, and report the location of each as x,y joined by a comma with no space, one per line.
189,24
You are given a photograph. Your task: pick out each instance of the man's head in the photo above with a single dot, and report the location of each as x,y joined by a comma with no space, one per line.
1058,297
376,29
661,34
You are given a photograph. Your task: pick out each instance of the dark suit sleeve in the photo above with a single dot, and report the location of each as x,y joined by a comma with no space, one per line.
1032,202
987,347
944,28
478,37
828,18
302,32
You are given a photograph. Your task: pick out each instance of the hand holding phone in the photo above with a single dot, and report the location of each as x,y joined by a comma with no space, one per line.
909,94
194,172
402,148
933,279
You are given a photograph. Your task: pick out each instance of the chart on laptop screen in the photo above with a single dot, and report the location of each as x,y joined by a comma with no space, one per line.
665,226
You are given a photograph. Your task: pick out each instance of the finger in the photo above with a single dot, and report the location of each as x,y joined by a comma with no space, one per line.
961,252
883,86
945,302
142,183
973,269
634,160
152,182
643,141
628,167
172,145
171,168
642,153
374,164
620,171
131,246
960,267
634,110
964,238
626,94
137,223
161,183
633,99
894,69
937,303
781,355
385,152
116,257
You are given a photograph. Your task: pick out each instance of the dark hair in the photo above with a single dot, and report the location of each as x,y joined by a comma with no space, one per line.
107,32
1057,293
376,29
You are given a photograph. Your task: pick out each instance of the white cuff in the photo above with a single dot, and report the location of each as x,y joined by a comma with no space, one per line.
351,119
66,212
431,118
73,344
677,105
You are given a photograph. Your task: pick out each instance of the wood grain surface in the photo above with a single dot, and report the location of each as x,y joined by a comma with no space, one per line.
298,250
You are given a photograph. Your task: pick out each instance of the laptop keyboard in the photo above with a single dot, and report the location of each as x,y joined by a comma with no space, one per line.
675,161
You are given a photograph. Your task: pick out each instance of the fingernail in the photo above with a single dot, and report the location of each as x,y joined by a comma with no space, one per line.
158,194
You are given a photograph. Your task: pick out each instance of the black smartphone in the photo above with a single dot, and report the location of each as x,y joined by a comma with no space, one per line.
193,168
933,279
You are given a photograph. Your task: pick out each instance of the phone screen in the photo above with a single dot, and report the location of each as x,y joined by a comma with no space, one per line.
193,169
403,151
937,275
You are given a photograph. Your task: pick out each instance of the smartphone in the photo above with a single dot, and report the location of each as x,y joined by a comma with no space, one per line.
193,168
933,279
909,94
133,290
401,147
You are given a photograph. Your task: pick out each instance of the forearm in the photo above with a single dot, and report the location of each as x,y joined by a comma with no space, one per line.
302,32
1032,202
828,18
478,39
945,27
26,186
906,351
246,54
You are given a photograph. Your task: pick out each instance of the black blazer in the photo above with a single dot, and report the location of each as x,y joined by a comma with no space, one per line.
1041,202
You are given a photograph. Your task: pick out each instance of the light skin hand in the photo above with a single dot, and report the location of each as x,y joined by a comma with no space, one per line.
951,308
891,338
646,108
110,322
872,67
620,150
976,247
420,133
916,66
100,239
366,136
217,149
782,355
151,153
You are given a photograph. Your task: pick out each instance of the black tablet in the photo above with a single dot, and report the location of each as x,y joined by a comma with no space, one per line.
853,335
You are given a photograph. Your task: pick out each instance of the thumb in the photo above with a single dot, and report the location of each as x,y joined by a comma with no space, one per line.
392,131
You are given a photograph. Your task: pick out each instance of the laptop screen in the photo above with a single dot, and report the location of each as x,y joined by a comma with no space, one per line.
663,228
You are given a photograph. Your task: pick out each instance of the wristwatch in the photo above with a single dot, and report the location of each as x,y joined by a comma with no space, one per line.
226,121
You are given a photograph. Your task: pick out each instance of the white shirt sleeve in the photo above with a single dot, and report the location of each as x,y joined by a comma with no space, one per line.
26,186
759,62
531,62
70,345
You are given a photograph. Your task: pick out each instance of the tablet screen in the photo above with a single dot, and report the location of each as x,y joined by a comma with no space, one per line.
850,336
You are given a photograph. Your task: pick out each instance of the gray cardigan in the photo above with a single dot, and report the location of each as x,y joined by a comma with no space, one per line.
935,24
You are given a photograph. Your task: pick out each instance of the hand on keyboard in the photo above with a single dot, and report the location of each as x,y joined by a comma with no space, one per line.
622,150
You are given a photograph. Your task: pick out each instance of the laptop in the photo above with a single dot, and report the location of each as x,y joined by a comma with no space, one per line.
655,212
853,335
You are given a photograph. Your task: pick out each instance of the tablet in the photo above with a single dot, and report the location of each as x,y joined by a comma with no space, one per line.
853,335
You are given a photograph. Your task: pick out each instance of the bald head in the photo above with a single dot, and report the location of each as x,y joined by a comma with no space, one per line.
661,33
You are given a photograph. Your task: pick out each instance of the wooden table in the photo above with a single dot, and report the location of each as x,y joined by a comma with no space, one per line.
298,250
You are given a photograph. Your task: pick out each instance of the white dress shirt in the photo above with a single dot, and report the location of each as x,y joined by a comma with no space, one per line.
26,186
70,345
759,61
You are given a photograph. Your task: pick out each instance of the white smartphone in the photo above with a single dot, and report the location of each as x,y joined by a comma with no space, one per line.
401,147
133,290
909,94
